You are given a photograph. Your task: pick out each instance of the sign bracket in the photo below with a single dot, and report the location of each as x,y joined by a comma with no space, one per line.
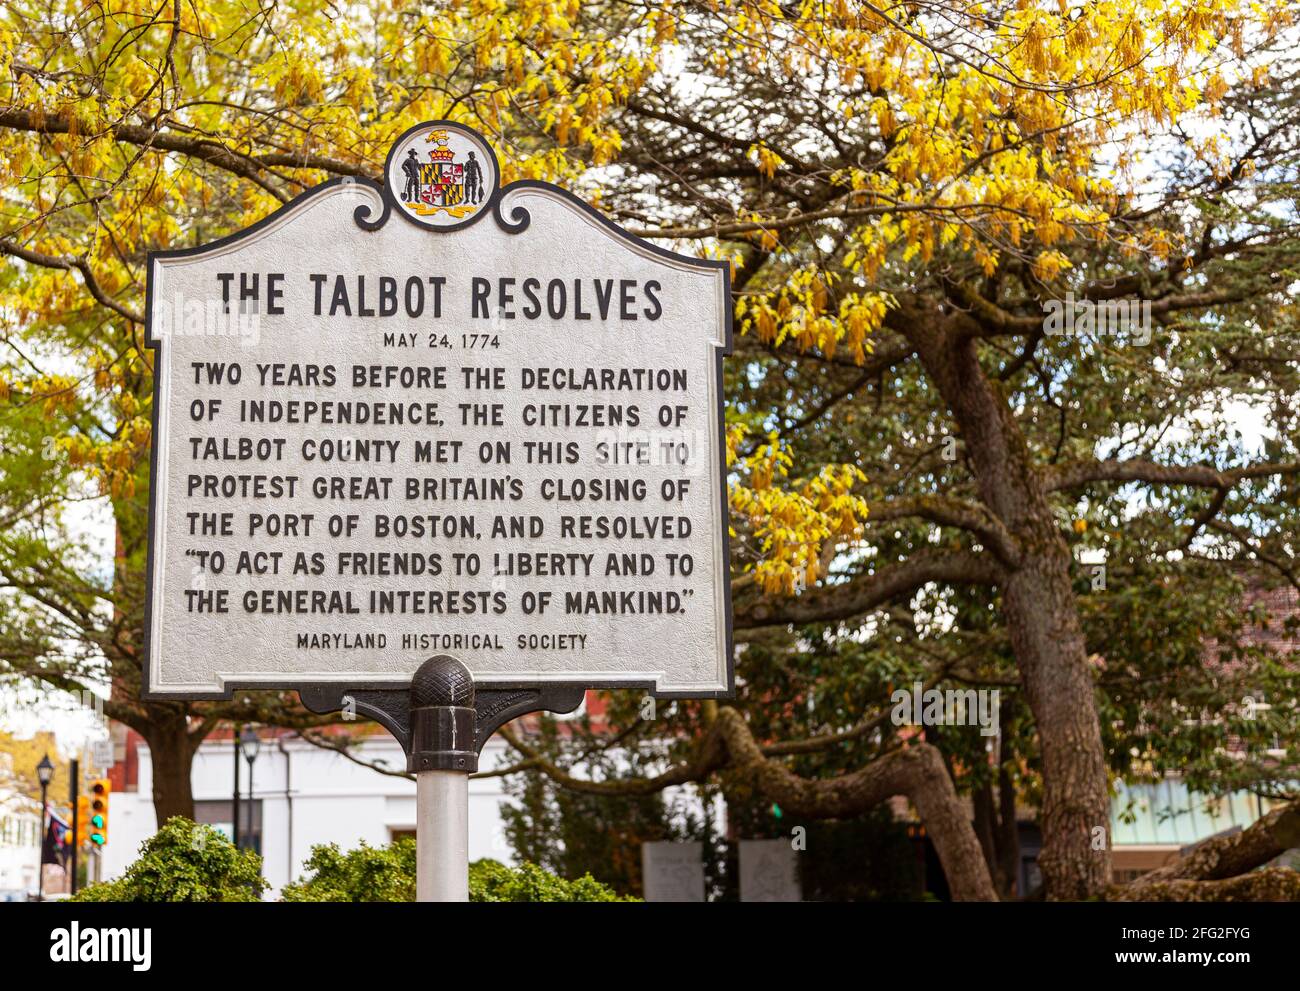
391,707
442,723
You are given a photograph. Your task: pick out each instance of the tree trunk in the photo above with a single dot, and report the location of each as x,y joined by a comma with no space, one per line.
1008,833
1037,603
916,771
985,827
1049,647
1272,884
167,734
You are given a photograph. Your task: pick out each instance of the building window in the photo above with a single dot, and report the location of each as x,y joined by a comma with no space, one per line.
219,815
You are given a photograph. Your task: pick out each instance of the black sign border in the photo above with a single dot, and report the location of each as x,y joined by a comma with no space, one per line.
518,221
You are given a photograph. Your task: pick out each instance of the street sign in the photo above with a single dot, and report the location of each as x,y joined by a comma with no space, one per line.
101,754
437,415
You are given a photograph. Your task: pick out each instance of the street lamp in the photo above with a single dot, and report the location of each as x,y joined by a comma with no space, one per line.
234,801
44,774
250,743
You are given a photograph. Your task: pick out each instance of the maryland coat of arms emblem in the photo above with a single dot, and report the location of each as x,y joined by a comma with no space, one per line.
441,175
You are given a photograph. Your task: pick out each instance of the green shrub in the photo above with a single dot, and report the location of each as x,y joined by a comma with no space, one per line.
185,862
493,881
387,874
366,874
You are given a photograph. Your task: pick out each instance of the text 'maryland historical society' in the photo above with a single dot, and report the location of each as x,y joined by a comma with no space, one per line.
489,427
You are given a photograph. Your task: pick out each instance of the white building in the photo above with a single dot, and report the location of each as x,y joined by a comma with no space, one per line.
20,848
303,795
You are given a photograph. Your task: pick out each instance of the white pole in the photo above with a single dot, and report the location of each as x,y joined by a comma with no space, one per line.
442,836
442,754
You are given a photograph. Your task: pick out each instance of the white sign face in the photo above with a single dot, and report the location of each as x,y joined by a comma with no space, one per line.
101,754
496,437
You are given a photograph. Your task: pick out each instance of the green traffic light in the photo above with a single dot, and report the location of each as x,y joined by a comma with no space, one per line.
97,839
97,822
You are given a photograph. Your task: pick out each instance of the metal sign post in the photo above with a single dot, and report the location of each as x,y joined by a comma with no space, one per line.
443,756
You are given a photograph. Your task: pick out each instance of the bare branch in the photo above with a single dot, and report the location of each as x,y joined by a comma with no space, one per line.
916,771
865,592
341,745
950,511
1224,868
1227,856
1073,474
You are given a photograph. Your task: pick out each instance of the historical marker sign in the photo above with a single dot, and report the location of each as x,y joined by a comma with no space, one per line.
102,754
437,416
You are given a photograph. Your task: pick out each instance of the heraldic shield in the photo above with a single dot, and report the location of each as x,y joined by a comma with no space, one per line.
442,175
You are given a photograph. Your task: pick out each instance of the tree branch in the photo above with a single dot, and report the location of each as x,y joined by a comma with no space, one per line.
204,149
1070,475
70,265
867,591
341,746
1227,856
949,511
916,771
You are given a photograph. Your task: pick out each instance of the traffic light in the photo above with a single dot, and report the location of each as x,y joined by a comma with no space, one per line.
83,819
97,834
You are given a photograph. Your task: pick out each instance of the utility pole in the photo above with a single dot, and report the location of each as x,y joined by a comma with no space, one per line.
75,770
234,814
